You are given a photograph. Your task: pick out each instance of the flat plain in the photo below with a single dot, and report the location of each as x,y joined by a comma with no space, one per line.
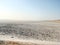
30,33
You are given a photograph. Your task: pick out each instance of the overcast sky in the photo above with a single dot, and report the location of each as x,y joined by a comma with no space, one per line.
29,9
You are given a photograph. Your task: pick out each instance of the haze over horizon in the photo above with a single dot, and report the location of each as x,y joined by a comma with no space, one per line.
29,9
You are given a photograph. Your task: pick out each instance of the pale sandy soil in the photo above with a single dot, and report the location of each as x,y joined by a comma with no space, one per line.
40,33
7,40
16,43
56,21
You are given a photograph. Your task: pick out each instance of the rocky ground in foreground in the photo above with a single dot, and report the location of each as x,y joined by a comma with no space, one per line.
15,43
22,43
48,31
44,31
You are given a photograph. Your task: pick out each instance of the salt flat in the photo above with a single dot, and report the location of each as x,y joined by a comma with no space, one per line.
42,32
38,42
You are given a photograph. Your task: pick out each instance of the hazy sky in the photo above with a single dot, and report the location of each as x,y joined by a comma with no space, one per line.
29,9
